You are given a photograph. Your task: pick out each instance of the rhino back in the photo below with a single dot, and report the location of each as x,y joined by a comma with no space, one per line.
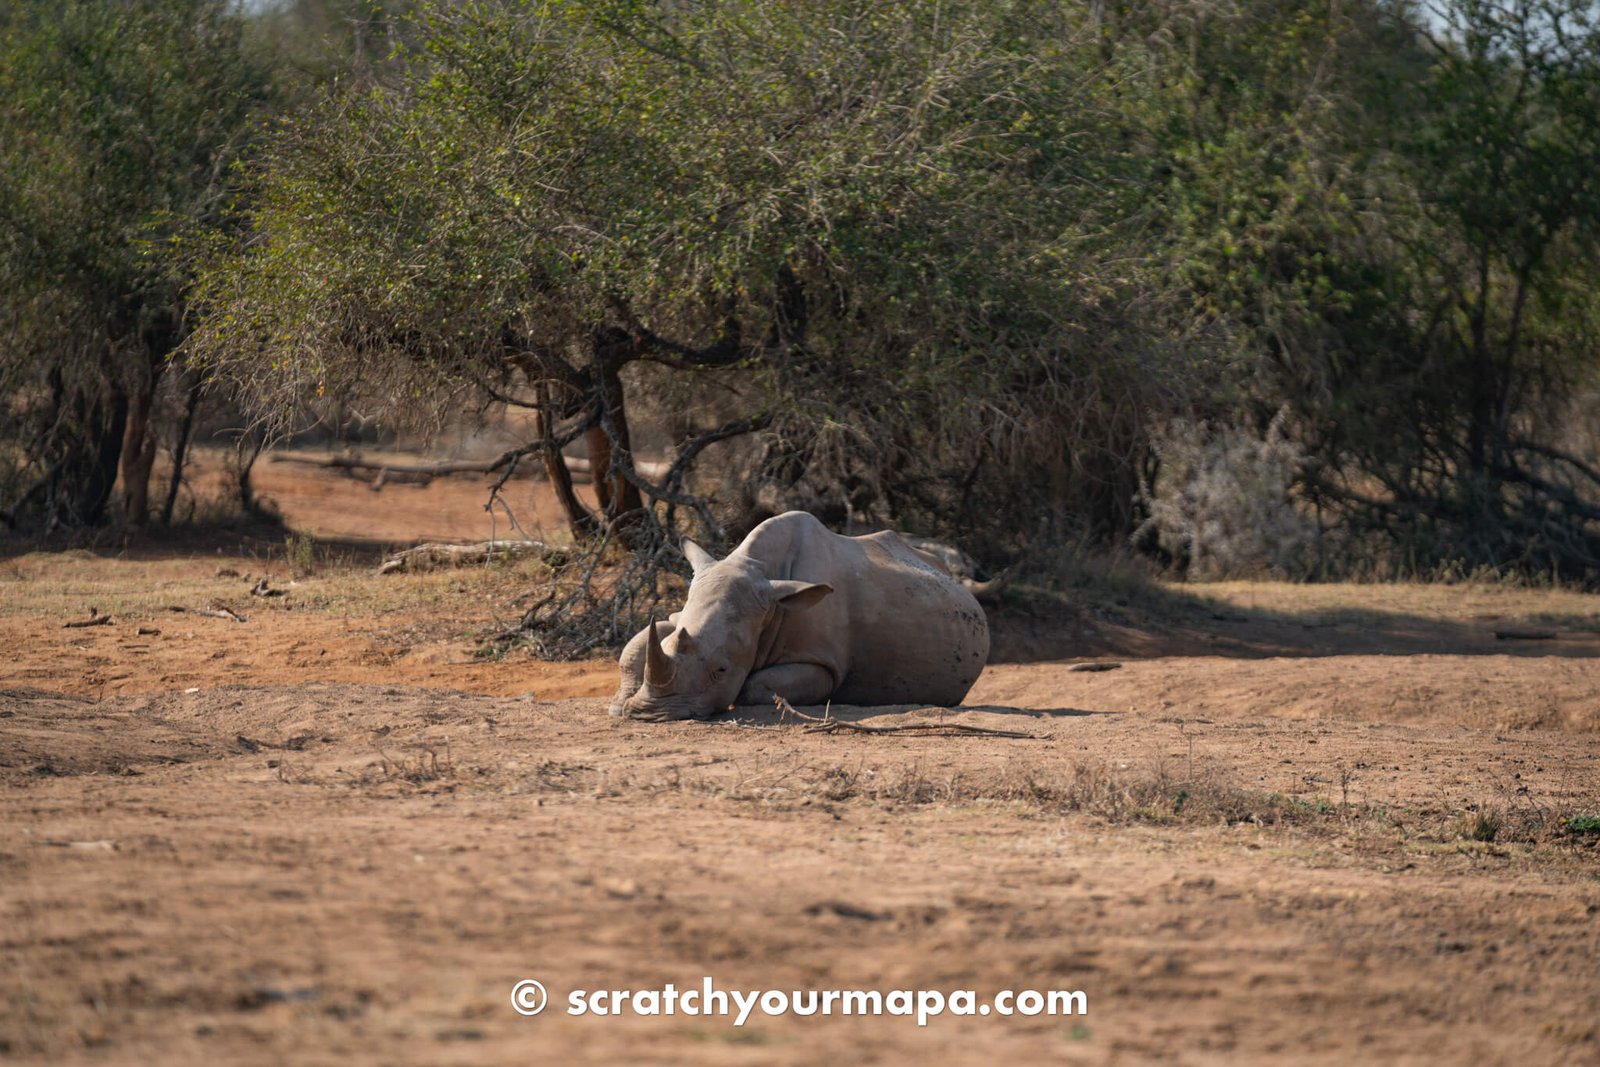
896,629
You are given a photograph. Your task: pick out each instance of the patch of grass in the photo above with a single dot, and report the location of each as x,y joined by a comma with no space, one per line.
1159,793
300,552
1483,824
426,763
746,1036
1153,794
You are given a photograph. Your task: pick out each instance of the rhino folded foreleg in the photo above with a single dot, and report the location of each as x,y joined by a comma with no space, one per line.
798,683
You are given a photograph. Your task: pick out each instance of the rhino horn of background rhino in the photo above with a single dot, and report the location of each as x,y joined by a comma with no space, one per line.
991,589
658,669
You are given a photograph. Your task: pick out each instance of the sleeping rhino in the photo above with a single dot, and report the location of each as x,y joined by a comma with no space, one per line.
801,612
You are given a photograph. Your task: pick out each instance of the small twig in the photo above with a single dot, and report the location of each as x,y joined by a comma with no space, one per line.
829,725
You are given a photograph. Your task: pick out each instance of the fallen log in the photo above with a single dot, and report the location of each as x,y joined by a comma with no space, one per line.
386,470
435,556
354,461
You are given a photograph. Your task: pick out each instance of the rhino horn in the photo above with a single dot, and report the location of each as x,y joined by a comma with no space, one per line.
658,669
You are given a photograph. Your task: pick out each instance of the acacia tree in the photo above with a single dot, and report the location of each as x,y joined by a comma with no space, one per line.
880,220
118,130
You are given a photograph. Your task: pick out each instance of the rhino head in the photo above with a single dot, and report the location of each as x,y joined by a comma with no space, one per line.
699,668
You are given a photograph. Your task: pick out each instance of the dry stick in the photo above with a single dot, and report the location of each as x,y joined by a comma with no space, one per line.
435,556
496,498
829,725
220,613
213,613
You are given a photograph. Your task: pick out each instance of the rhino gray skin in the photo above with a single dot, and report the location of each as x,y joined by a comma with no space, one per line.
801,612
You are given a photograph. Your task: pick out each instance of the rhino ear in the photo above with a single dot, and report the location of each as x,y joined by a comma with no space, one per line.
798,596
698,557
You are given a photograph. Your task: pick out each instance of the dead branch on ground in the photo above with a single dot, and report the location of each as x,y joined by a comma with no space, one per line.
433,556
827,724
210,613
94,619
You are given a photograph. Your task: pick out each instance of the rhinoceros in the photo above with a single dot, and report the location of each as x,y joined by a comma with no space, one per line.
801,612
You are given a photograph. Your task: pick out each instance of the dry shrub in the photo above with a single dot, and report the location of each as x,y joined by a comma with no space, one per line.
1223,501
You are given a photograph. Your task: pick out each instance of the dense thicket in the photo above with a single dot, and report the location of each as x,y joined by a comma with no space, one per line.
1016,271
1400,213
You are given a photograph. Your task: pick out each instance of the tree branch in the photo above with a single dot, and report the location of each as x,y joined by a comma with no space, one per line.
723,352
697,444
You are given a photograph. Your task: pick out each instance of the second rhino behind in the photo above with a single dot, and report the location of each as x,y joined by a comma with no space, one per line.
801,612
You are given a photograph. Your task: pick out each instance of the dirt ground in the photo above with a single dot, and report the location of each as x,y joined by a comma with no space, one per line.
1314,825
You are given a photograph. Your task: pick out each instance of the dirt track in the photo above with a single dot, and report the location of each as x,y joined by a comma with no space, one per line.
331,851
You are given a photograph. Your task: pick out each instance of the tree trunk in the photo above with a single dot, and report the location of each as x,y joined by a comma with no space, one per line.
104,448
139,447
246,452
157,339
1482,391
604,480
612,446
180,450
579,520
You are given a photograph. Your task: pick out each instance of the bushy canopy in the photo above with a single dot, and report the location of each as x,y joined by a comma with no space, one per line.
895,220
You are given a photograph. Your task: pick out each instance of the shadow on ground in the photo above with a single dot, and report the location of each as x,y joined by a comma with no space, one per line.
1159,621
263,537
1142,620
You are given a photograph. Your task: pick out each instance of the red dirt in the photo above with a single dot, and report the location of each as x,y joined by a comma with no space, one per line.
352,836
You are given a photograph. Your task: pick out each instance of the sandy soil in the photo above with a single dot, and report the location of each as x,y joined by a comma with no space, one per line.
332,833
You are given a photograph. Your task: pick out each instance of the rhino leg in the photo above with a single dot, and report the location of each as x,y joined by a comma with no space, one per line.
632,665
798,683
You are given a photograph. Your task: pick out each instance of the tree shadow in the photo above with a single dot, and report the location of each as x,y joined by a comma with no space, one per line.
1158,621
1120,620
254,536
